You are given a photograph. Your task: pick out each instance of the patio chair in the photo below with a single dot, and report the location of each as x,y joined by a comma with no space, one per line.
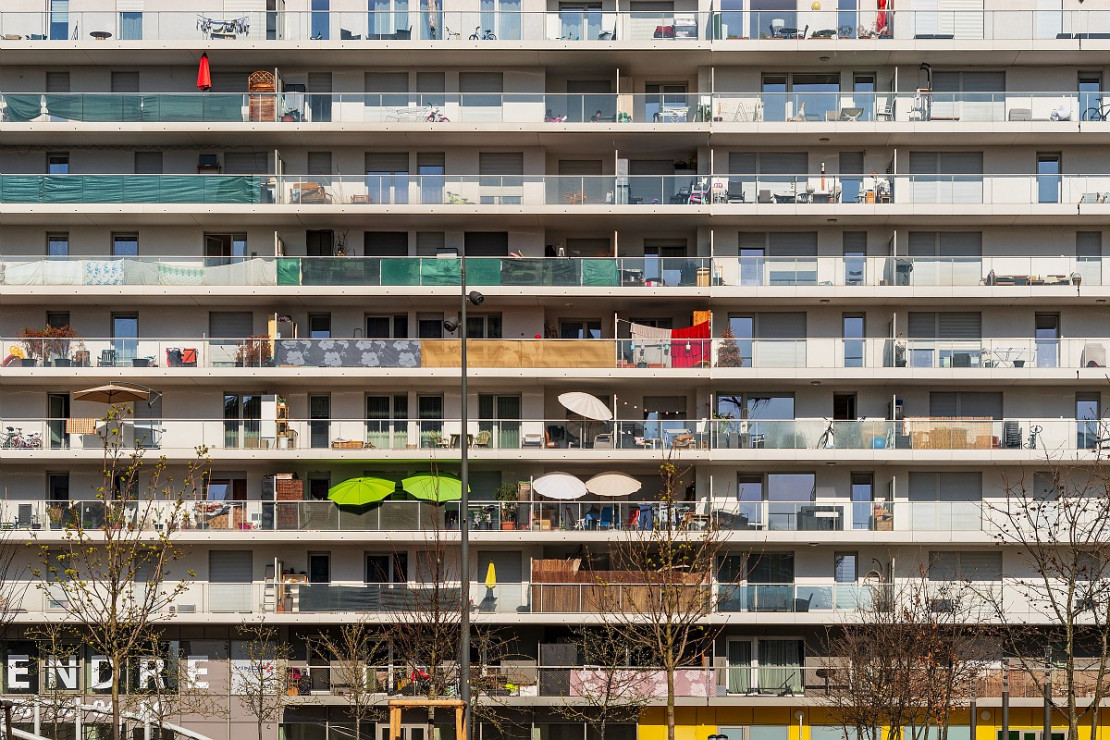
483,439
606,518
107,358
764,196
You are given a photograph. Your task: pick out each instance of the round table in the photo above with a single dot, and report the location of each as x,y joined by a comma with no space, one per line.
100,35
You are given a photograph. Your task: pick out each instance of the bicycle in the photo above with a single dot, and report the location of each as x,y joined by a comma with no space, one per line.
1098,112
436,116
1034,430
828,438
479,35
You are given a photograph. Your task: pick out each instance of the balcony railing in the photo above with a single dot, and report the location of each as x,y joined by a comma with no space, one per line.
361,29
528,518
999,271
338,437
691,191
182,355
548,108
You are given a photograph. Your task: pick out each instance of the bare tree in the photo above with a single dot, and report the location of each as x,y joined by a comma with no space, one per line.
114,570
662,587
59,646
905,660
165,689
260,678
1059,523
353,652
610,690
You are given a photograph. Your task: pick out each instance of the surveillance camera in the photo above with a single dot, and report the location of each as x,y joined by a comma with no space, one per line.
476,298
451,324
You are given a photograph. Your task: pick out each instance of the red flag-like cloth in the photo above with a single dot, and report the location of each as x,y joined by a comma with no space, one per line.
690,347
204,74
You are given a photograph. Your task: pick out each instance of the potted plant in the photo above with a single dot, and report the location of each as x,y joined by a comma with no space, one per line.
507,495
728,353
253,352
56,512
49,342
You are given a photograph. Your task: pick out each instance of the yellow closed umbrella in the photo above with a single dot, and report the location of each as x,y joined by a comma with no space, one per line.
491,576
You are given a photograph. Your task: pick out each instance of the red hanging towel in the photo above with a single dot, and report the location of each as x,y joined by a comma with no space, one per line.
204,74
690,347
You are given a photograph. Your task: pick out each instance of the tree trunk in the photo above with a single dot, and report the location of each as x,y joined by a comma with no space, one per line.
670,703
115,701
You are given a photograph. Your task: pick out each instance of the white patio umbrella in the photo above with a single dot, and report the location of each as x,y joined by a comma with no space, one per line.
561,486
613,484
585,405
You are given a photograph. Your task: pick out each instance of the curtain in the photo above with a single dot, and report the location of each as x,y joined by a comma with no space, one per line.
690,347
780,665
739,667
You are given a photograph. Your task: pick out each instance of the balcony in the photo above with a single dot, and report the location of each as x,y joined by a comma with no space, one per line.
996,271
255,26
539,518
819,192
616,357
718,109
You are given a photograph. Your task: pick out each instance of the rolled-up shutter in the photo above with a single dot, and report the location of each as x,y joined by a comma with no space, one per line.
783,163
921,325
246,163
481,95
230,324
980,566
501,163
387,162
793,244
781,326
959,325
230,573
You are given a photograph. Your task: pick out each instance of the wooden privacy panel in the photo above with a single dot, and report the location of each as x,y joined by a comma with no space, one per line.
510,353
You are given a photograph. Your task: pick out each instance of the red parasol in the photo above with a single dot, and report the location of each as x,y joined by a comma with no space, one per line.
880,18
204,74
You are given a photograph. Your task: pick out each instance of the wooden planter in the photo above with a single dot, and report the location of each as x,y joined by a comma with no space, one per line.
263,107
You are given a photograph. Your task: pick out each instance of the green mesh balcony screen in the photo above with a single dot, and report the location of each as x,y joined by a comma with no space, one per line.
130,188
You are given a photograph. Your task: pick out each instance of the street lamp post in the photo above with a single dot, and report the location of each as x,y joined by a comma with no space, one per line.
464,501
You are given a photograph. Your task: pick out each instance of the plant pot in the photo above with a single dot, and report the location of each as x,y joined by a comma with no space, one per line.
30,362
62,362
508,526
1019,363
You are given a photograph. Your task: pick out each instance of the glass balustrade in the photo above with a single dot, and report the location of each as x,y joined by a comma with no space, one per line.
338,437
487,27
996,272
1059,108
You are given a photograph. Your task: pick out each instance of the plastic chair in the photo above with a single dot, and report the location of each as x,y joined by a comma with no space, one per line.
606,518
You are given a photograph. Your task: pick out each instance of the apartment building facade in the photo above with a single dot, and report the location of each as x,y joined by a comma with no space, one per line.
843,261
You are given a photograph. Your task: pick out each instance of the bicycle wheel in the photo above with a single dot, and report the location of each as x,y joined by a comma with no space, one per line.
474,37
491,37
1092,114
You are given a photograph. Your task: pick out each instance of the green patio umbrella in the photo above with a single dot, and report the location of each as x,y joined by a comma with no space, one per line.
361,491
437,488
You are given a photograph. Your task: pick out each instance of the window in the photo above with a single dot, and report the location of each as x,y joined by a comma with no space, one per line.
387,327
431,167
391,568
57,319
1049,180
862,493
386,420
798,96
148,163
486,243
1088,412
57,486
319,567
430,410
321,20
57,245
770,567
319,163
387,177
855,257
946,177
483,326
125,336
131,26
125,245
853,340
1090,90
318,485
780,496
224,249
965,566
59,20
577,329
385,243
429,325
319,242
57,163
845,567
319,326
